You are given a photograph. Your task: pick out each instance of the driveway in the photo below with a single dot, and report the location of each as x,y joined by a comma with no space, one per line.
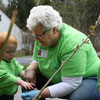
27,59
24,60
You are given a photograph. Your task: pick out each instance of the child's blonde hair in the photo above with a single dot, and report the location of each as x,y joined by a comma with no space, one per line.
11,40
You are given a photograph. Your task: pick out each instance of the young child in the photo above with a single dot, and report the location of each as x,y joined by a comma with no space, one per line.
10,69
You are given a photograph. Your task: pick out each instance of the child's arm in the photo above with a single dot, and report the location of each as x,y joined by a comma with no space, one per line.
22,73
25,84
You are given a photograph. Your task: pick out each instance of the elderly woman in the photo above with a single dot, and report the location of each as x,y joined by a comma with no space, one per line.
55,42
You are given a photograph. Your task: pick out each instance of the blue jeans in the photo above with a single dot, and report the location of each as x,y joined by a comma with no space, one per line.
86,91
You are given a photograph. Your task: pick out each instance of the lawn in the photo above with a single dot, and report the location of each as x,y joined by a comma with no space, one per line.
25,66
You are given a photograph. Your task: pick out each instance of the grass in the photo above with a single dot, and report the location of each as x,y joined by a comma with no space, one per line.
25,66
23,53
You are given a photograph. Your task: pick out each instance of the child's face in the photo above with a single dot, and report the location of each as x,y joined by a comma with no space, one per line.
9,52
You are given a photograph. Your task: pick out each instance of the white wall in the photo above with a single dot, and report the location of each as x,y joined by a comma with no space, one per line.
16,31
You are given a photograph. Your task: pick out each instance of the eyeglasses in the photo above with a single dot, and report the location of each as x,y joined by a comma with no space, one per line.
40,36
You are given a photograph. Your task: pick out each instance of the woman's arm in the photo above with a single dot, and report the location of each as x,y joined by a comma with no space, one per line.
30,73
68,85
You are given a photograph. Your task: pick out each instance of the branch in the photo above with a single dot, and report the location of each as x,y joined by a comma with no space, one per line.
9,32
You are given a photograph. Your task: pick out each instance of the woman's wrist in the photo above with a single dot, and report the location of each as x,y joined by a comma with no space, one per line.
33,66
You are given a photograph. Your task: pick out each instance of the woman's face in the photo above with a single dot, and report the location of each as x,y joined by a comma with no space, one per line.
45,38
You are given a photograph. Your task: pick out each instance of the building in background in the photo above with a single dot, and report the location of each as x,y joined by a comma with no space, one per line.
25,39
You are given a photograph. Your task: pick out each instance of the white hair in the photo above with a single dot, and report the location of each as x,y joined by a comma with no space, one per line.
46,16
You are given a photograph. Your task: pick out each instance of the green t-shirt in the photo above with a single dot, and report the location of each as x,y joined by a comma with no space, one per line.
9,72
84,63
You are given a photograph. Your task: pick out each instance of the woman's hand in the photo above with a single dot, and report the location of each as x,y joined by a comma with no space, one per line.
30,73
30,76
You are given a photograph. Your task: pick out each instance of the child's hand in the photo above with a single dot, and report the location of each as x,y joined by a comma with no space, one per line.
26,85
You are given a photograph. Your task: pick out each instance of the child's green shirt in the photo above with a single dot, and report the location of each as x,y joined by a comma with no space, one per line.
9,72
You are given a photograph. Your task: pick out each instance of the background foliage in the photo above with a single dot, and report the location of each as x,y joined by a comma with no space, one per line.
78,13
